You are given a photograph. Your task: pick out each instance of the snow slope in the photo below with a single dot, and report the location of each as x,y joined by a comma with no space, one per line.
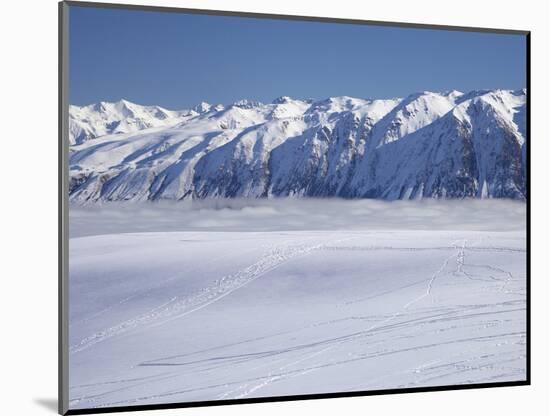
92,121
427,145
159,317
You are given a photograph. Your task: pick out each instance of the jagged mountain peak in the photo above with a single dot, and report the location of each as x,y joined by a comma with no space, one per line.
283,99
247,104
202,107
427,145
338,104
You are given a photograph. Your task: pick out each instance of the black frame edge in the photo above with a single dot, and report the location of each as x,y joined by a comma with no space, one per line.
528,202
271,399
63,105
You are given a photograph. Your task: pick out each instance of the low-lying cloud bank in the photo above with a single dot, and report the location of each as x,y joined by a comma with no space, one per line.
297,214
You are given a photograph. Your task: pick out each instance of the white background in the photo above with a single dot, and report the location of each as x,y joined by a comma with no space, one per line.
28,188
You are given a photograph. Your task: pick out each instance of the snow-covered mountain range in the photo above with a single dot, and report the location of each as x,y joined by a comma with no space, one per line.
427,145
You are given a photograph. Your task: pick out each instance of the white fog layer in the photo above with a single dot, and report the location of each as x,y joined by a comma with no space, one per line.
296,214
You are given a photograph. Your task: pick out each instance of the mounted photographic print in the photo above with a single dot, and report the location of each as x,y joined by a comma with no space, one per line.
264,207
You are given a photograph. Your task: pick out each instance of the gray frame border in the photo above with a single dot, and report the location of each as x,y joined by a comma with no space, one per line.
63,209
63,206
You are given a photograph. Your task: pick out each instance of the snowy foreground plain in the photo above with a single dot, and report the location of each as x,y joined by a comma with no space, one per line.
207,301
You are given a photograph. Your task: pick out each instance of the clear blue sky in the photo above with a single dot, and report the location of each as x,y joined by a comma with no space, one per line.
177,60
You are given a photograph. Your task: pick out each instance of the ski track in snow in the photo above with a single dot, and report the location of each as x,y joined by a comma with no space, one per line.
383,323
224,286
381,337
